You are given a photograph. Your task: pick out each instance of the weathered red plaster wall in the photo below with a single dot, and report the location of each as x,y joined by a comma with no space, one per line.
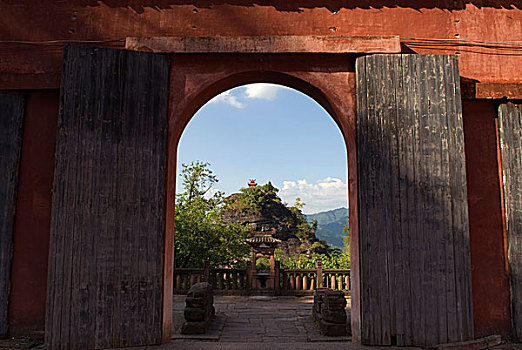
109,20
33,212
490,284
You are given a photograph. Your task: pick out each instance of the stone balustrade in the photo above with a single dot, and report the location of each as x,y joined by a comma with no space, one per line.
235,281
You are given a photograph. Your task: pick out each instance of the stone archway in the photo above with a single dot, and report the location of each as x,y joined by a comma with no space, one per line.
328,79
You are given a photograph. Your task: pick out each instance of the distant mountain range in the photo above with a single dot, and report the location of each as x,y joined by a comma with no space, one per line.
330,225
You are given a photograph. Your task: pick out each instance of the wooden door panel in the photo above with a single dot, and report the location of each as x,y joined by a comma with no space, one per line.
415,261
510,137
12,106
108,215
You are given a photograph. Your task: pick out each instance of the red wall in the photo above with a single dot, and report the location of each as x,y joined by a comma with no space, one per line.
33,211
490,284
112,21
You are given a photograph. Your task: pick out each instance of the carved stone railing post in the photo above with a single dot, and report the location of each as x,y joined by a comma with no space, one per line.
249,276
277,279
206,271
319,265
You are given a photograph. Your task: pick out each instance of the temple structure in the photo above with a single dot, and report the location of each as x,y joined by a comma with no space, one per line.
263,246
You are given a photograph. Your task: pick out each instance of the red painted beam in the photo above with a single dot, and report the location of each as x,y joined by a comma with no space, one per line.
498,90
490,90
267,44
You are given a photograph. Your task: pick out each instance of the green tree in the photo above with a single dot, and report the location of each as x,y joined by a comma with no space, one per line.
201,234
334,260
299,204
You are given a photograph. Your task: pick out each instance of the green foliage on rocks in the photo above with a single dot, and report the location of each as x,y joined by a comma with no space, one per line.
260,204
254,200
331,257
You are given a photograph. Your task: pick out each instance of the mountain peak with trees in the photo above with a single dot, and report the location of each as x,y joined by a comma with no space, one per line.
210,227
262,209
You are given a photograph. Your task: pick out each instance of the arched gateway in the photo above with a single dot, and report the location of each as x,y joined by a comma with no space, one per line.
122,114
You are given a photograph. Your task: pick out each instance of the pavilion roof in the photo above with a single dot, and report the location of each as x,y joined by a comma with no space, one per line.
263,239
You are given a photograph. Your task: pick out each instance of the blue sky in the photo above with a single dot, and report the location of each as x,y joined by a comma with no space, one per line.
270,133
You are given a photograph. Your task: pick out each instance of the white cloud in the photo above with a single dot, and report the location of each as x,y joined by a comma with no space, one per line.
228,98
325,194
262,91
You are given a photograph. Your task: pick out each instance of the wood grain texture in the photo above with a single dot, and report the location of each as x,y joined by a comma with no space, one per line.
415,256
108,215
11,123
510,135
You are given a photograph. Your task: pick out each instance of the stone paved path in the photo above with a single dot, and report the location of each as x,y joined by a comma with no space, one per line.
249,323
258,319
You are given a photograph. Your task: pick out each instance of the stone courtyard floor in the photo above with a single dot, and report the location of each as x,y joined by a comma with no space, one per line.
251,323
257,319
259,322
273,323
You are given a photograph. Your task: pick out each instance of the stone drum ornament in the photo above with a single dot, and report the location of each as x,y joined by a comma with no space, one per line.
329,312
199,309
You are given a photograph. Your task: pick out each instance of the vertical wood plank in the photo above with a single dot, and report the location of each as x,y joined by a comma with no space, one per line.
510,135
449,237
399,200
385,252
362,78
12,107
374,232
392,216
412,201
417,217
465,248
435,118
408,150
439,297
108,216
363,164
